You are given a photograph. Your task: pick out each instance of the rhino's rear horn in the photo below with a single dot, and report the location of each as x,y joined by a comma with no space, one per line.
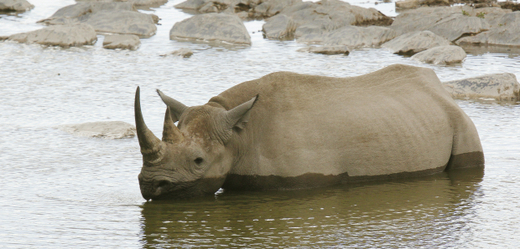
171,133
147,140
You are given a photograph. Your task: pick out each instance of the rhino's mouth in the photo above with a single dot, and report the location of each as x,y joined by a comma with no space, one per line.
165,189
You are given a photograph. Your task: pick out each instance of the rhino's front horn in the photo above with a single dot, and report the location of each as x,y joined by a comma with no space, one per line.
149,143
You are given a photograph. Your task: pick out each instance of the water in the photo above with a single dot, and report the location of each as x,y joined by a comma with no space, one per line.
62,191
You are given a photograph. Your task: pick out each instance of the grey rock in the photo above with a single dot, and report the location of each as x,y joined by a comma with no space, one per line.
352,36
272,7
122,22
218,6
191,4
449,22
137,3
279,27
107,129
15,5
415,42
459,25
441,55
212,27
328,15
505,33
502,87
328,50
59,35
421,19
80,11
131,42
106,17
412,4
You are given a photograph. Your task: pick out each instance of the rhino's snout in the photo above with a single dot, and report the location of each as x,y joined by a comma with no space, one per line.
153,189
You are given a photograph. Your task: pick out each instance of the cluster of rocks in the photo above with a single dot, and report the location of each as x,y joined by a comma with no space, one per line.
80,23
427,34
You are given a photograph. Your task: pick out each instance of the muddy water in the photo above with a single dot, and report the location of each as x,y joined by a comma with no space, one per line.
60,191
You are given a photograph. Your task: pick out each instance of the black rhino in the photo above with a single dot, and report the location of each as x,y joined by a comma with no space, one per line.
294,131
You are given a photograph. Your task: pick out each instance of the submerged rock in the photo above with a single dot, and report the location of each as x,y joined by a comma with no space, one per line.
59,35
502,86
107,129
441,55
212,27
415,42
131,42
183,52
329,50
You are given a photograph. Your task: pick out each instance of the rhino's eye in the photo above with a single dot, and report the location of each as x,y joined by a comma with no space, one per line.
199,160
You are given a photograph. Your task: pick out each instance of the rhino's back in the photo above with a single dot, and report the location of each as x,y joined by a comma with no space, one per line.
396,120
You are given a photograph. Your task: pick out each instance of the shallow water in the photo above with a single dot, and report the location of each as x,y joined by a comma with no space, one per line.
58,190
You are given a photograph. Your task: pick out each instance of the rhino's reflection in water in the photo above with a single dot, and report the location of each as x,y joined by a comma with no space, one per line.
430,211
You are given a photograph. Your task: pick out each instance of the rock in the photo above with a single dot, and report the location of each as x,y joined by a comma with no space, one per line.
107,129
328,50
514,6
441,55
353,37
219,6
106,17
183,52
449,22
272,7
328,15
502,86
212,27
459,25
59,35
148,3
415,42
131,42
137,3
80,11
122,22
507,32
15,6
490,14
421,19
412,4
279,27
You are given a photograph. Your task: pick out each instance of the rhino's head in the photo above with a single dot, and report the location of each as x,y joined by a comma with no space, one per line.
191,159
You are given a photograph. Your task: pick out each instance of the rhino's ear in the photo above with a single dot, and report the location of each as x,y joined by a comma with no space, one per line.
239,116
176,107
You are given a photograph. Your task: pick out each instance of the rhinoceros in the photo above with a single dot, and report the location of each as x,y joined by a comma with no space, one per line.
294,131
